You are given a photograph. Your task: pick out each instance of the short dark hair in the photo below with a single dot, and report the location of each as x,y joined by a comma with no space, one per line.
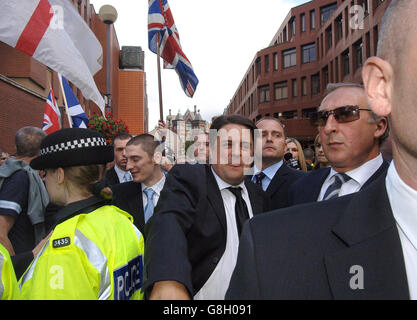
274,119
147,141
28,141
308,153
122,136
220,121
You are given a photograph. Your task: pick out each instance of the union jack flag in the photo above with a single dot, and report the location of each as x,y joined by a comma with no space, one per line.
52,115
160,21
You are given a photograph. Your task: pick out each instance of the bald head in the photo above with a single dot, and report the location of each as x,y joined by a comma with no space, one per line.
394,30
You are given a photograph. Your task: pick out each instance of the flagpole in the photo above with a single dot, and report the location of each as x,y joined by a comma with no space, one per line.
65,100
161,112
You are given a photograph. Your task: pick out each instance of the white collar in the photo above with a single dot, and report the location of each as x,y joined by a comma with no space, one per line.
362,173
403,200
157,187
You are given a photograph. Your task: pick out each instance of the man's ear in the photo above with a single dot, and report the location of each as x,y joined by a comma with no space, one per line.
381,127
377,75
157,157
60,175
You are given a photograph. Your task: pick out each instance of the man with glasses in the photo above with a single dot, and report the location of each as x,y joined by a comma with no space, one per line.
359,246
351,136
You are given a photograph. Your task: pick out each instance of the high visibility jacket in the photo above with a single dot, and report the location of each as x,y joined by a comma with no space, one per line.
8,283
98,255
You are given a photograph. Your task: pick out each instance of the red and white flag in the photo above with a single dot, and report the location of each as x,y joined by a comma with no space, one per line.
53,33
52,115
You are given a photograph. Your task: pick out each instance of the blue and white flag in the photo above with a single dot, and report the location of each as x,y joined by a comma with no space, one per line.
78,117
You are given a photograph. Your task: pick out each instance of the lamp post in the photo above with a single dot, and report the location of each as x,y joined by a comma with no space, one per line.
108,15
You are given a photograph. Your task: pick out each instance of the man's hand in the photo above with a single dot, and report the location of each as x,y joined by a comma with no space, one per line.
169,290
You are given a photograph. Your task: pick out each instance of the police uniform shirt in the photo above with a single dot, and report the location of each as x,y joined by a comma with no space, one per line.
216,286
403,200
358,176
14,202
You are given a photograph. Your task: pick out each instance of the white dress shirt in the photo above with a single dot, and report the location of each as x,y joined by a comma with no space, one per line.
269,174
359,176
216,286
121,173
403,200
157,188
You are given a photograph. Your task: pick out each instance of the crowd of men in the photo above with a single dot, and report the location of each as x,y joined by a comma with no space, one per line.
336,222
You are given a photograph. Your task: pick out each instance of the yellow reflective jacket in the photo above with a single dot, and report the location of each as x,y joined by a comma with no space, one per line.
8,283
98,255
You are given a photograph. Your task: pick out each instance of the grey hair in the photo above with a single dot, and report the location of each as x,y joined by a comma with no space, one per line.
373,118
28,141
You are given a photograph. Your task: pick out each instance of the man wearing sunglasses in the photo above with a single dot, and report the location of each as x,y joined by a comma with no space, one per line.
360,246
351,136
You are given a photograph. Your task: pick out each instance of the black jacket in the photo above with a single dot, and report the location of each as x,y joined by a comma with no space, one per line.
187,235
323,250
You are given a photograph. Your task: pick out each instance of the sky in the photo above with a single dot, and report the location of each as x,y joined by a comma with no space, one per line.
219,37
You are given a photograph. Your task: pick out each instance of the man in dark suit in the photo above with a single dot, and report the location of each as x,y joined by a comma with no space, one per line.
140,196
360,246
193,239
275,177
118,173
351,135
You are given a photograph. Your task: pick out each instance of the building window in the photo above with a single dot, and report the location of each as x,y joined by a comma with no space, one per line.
313,19
345,62
339,28
188,125
305,113
303,86
289,114
358,52
264,94
325,72
267,63
258,66
281,90
309,53
326,12
293,26
315,83
329,38
294,87
303,22
275,61
289,58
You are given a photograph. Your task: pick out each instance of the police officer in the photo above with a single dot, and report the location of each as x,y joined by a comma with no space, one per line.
95,251
8,283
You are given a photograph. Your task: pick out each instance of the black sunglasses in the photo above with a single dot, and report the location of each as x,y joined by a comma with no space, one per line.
341,114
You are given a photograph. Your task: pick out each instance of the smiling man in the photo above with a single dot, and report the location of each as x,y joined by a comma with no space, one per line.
274,176
140,196
351,135
194,236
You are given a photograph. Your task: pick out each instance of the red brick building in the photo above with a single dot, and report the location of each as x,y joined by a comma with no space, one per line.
25,84
319,42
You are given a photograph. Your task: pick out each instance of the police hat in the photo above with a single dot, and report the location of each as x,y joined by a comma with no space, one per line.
72,147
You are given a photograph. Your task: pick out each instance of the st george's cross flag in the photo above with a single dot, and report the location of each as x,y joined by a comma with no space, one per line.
52,32
161,21
78,117
52,115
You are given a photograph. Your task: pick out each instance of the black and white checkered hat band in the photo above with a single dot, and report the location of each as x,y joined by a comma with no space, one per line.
75,144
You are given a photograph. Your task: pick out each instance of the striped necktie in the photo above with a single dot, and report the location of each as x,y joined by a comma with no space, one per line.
334,189
148,211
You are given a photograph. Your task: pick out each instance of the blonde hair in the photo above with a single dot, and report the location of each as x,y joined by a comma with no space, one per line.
301,159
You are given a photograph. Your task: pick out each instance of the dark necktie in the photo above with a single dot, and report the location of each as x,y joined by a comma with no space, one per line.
259,177
334,189
241,210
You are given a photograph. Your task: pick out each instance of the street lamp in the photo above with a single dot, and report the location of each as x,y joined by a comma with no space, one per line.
108,15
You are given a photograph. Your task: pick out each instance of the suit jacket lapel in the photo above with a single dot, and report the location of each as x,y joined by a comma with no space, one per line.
256,200
277,180
215,198
374,255
381,170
